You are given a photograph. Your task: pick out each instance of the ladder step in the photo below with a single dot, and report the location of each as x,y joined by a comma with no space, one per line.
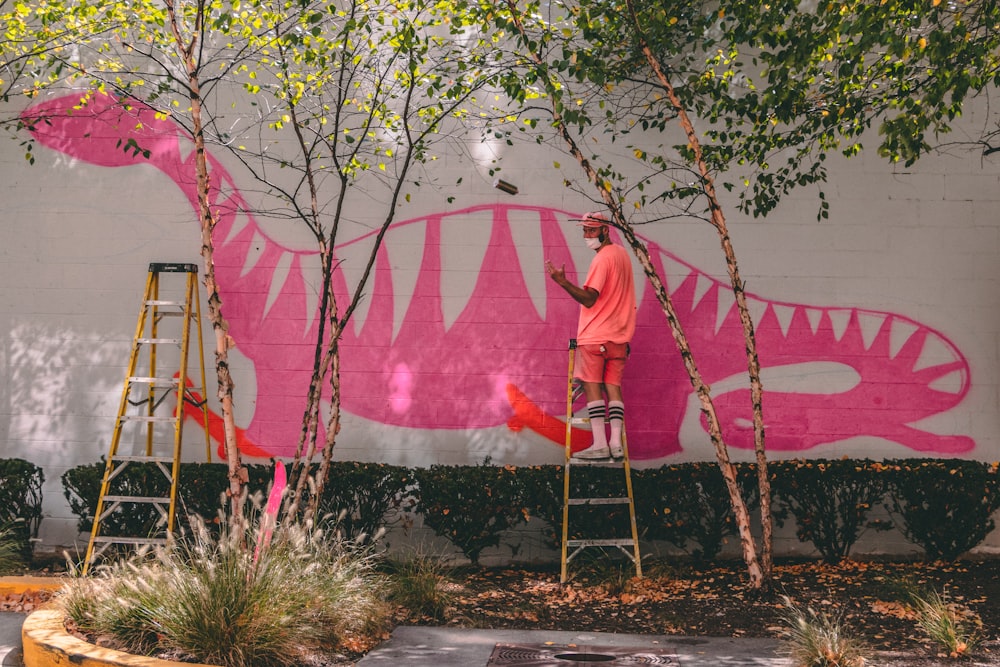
607,463
137,499
599,501
173,267
171,381
158,302
158,341
143,459
106,539
624,542
144,418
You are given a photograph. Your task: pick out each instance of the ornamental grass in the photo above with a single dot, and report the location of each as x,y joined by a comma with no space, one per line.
212,600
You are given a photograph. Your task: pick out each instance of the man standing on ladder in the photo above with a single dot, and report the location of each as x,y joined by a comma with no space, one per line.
607,322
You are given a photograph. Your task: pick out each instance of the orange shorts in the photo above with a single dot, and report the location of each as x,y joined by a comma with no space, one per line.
603,363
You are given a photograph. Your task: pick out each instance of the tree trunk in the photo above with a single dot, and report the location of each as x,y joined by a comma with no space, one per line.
753,362
237,473
702,390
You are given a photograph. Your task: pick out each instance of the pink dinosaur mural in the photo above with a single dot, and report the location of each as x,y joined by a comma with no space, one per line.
437,349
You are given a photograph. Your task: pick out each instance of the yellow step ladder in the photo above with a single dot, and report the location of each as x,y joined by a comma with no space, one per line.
146,421
572,547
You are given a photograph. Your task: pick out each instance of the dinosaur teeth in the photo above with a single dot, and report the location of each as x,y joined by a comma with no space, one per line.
351,260
783,314
255,250
185,146
526,232
900,332
404,246
463,248
727,301
675,273
935,352
240,221
870,325
757,308
310,269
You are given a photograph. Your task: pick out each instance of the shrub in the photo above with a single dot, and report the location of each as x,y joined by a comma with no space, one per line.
11,551
370,494
689,502
470,505
543,488
210,600
542,495
944,506
21,502
202,487
366,496
830,500
200,490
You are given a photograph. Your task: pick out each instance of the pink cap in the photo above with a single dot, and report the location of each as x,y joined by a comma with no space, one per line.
593,219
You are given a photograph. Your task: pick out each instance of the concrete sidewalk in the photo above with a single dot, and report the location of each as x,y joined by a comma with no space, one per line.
10,638
11,622
411,646
460,647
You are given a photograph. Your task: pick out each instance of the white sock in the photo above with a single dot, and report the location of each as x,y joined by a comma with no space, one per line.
616,417
595,410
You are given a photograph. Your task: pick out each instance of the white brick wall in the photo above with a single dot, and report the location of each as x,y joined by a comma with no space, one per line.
76,240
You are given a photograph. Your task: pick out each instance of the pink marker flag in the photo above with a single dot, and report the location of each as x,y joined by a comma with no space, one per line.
270,518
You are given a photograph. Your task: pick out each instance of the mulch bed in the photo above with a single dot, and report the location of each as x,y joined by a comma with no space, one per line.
867,597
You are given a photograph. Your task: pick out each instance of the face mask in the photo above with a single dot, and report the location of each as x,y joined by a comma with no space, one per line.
592,243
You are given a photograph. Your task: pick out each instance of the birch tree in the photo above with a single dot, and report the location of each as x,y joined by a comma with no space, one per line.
350,97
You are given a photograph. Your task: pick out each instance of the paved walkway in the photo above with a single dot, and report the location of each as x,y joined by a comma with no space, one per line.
10,638
460,647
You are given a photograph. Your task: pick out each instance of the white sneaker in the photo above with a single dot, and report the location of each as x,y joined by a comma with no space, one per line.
593,452
617,452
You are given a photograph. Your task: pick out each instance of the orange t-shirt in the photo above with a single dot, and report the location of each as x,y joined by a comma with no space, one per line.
612,317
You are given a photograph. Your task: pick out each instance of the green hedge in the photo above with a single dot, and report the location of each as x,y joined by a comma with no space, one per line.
830,500
362,496
688,506
21,501
945,507
470,505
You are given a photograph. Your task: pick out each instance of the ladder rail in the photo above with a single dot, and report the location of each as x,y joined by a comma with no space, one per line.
568,453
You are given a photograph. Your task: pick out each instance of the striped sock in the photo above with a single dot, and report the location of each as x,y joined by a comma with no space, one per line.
595,410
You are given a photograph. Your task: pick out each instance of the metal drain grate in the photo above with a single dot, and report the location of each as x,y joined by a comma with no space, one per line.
556,655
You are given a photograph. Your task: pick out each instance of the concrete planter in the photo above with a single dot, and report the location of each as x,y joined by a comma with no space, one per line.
46,643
